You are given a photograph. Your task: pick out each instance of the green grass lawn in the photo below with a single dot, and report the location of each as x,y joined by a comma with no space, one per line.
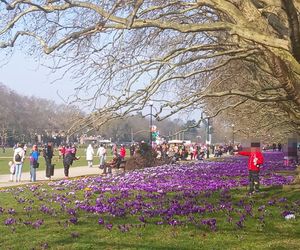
58,215
8,155
56,231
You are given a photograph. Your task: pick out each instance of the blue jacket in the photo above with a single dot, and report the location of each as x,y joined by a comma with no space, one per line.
35,155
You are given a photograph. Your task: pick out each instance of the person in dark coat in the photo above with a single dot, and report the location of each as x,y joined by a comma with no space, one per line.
48,154
70,156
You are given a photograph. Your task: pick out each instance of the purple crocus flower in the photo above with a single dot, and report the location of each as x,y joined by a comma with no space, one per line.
142,219
240,224
27,223
37,223
271,202
27,209
174,222
211,223
71,211
282,200
10,221
100,221
73,220
109,226
261,208
286,212
21,200
11,211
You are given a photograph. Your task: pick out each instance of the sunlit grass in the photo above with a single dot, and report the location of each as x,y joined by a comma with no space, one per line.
166,207
59,233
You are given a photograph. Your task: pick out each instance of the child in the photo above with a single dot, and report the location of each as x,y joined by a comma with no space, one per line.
12,169
255,162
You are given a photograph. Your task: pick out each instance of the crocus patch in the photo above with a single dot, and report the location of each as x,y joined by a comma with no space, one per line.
197,194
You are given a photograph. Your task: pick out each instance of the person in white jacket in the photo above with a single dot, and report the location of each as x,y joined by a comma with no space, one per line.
90,155
101,152
18,158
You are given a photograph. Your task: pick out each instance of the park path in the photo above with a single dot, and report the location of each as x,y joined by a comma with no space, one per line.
40,175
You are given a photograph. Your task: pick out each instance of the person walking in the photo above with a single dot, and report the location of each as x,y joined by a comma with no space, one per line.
255,162
101,152
70,156
90,155
34,162
12,170
48,154
18,158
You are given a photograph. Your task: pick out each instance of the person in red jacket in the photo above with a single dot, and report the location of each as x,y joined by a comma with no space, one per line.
255,162
122,152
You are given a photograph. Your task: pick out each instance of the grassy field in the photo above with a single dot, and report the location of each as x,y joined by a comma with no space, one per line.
156,208
168,207
41,223
8,155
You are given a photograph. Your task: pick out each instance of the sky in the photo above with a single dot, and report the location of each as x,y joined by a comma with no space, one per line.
26,77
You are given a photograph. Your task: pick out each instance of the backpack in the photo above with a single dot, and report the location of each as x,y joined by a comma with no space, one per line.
18,157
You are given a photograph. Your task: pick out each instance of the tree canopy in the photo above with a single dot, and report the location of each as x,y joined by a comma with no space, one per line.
234,57
22,118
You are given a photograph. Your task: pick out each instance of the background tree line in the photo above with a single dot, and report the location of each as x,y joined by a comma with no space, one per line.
136,128
25,118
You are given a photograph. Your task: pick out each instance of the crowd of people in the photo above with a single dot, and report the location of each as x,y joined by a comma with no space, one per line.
101,153
173,152
193,151
67,153
274,147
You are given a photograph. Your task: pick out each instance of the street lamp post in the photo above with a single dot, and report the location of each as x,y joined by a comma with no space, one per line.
131,131
208,138
208,135
150,138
